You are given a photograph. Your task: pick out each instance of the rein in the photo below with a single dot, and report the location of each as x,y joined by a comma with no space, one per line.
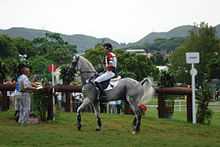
87,72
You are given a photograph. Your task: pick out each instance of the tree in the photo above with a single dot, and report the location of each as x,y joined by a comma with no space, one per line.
96,57
24,47
162,44
2,72
129,65
158,59
54,48
8,49
202,39
134,65
9,68
8,56
213,67
204,96
39,66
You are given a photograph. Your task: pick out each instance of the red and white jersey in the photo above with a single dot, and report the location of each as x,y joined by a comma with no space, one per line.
111,61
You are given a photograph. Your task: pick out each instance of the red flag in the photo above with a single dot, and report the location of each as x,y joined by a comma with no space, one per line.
52,68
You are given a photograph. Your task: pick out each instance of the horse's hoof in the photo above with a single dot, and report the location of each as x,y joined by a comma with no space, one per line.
134,132
79,127
98,129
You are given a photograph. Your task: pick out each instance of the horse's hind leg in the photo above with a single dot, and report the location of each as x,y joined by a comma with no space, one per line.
137,112
78,117
98,117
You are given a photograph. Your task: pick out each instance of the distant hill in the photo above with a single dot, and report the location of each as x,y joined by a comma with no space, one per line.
84,42
179,32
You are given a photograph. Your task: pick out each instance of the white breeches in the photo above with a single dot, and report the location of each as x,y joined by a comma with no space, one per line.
24,104
104,77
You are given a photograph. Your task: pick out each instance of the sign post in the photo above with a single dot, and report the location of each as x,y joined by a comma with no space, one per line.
52,69
193,58
54,111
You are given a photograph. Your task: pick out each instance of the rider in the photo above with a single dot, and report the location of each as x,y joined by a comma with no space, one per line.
110,64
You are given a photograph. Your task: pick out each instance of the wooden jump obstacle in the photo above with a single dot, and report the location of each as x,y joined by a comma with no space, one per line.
68,89
161,92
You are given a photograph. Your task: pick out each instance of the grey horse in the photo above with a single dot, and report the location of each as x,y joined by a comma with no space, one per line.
126,89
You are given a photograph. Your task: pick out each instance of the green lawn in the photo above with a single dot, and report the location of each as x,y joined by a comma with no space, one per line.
116,132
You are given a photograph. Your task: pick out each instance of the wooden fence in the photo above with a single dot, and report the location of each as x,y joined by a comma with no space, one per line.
163,92
68,89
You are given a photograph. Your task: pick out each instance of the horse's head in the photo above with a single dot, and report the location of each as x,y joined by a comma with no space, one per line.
83,66
75,62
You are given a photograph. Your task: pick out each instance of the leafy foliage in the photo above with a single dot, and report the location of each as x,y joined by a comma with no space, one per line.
2,71
166,79
7,47
159,59
161,44
204,96
53,47
96,57
213,67
129,65
135,65
40,53
24,47
40,104
203,40
67,74
39,66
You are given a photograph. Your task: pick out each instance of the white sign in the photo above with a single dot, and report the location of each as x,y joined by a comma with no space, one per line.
192,57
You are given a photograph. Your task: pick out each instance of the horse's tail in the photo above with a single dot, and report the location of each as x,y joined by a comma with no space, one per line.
149,91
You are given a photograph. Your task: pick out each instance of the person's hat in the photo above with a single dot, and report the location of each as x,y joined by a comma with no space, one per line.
107,46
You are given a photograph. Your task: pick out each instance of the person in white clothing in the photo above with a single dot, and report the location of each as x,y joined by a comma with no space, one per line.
110,63
24,87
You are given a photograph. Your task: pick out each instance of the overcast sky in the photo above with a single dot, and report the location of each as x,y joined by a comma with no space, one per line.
120,20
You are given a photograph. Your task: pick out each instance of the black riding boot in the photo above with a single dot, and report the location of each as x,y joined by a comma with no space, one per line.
101,89
16,115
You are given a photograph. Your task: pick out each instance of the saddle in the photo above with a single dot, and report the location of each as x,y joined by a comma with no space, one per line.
112,83
106,85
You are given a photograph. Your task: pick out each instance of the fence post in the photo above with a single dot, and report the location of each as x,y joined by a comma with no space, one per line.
50,113
161,105
1,101
5,101
68,107
189,108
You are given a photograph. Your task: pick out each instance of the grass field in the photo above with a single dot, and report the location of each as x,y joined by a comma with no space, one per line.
116,132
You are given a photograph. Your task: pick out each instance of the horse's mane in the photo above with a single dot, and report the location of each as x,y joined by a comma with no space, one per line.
89,64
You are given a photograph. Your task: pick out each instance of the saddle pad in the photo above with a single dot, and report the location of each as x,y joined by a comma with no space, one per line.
112,84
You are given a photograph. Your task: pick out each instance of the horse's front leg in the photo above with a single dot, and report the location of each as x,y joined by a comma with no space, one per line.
86,101
98,116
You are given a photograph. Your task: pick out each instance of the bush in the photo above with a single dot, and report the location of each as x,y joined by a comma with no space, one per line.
167,80
40,104
204,114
